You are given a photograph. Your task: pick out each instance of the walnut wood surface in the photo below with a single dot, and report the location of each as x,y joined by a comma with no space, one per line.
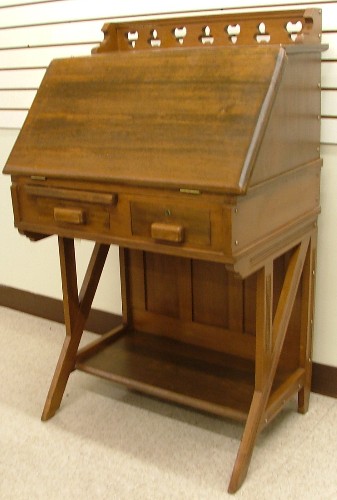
201,161
76,310
183,119
289,27
167,232
201,378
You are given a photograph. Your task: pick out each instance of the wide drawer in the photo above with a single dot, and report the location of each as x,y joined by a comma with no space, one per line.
60,208
172,223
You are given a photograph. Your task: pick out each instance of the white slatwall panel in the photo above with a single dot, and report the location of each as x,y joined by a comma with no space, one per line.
329,75
40,57
74,10
329,130
12,118
53,34
70,10
7,3
21,99
34,33
21,79
331,39
329,103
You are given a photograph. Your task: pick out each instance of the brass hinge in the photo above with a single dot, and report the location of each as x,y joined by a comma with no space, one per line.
189,191
38,177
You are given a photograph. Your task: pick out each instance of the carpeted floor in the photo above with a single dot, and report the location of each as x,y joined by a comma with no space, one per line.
108,443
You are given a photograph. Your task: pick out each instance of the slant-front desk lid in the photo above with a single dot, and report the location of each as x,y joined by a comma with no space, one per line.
191,118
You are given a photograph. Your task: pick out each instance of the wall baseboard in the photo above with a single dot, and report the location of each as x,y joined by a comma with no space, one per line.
52,309
324,378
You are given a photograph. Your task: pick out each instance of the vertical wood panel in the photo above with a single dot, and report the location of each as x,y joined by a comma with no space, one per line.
162,292
185,290
210,299
136,275
235,303
250,305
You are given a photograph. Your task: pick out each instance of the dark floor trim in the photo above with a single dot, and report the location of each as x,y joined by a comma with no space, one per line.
324,378
52,309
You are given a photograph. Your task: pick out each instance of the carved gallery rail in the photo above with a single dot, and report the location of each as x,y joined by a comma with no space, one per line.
186,142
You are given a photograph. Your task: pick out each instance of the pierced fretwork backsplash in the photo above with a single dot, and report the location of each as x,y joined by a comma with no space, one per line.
281,27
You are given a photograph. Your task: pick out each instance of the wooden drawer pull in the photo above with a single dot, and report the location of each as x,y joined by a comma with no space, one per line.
167,232
70,215
109,199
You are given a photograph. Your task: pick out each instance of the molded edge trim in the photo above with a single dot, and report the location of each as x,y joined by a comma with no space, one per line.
262,120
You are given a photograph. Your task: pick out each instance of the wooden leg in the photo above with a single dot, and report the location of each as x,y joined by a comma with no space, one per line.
76,311
307,307
267,357
264,307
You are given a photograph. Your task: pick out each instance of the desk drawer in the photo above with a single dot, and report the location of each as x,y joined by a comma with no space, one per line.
82,211
171,223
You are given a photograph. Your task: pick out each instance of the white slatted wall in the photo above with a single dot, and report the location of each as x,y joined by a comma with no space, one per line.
33,33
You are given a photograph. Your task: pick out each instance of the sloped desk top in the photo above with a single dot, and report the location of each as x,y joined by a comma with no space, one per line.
189,118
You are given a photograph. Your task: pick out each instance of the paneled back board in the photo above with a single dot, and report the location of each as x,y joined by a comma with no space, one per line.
34,33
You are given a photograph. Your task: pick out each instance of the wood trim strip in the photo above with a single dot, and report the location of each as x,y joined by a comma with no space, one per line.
324,377
72,195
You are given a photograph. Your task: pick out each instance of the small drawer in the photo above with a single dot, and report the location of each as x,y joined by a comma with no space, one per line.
171,223
54,210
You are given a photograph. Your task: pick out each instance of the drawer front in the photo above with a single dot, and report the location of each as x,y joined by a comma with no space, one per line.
171,223
177,224
54,209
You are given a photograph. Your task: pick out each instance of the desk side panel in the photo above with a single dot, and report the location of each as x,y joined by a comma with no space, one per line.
292,136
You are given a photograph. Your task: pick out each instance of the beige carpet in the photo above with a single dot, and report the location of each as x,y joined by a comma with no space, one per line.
108,443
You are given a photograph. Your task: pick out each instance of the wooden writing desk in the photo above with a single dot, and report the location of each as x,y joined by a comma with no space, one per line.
193,144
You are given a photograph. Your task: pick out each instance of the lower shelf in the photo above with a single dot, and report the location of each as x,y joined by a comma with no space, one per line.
186,374
201,378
